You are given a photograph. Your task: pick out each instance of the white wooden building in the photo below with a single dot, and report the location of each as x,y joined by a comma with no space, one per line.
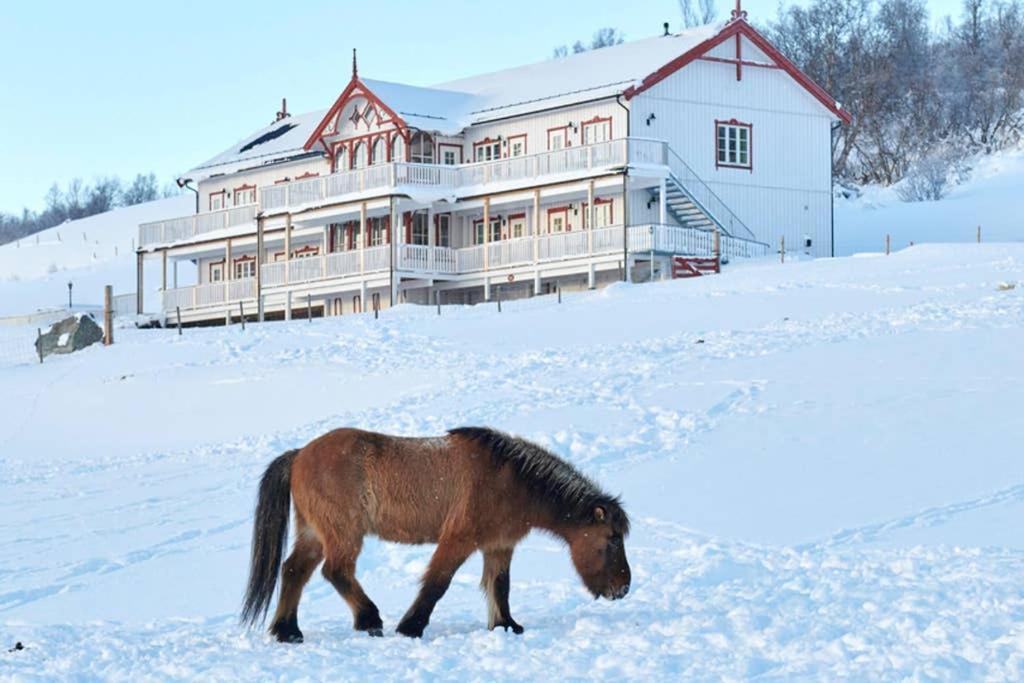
572,172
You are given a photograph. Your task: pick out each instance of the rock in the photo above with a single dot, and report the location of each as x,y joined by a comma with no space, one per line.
71,334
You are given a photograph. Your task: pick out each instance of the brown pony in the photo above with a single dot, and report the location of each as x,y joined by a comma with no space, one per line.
473,489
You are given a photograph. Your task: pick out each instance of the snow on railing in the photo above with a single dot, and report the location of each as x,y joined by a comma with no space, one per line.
186,227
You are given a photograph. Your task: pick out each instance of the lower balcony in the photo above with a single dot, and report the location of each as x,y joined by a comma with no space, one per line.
469,264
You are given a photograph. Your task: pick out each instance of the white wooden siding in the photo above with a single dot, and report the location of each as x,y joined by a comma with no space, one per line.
790,144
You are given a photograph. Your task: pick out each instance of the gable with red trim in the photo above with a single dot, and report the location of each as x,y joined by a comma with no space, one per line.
367,110
735,31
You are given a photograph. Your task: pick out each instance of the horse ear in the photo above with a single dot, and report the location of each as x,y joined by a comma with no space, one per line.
599,513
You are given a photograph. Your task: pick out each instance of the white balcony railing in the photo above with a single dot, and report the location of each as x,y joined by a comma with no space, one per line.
187,227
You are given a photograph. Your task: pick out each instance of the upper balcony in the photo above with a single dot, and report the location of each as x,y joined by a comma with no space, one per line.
444,181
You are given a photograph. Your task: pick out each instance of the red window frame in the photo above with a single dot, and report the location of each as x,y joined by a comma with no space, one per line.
749,166
487,142
565,130
596,121
223,200
243,188
519,136
599,200
558,209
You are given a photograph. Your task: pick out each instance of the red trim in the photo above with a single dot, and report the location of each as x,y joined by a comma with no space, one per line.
599,200
749,166
565,129
307,174
487,142
741,27
516,137
223,200
308,249
243,188
355,88
559,209
440,154
282,180
593,122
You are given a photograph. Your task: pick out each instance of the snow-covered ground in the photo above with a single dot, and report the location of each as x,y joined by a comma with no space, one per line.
822,461
990,198
90,253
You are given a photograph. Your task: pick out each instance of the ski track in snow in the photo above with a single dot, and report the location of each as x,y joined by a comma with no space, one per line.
702,607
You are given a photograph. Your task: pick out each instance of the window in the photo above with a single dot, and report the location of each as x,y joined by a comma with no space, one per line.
450,154
421,148
217,200
517,226
444,230
558,138
487,150
517,145
377,152
420,228
245,195
602,213
359,155
398,148
245,267
306,252
341,160
217,272
733,144
377,231
597,130
558,220
478,230
369,115
357,304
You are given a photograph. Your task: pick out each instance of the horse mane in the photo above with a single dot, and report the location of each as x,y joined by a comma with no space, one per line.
549,479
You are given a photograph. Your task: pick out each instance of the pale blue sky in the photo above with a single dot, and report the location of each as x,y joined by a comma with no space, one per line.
121,87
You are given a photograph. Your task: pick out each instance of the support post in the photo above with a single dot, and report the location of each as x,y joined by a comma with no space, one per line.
288,305
241,314
536,231
362,239
782,248
108,314
662,203
259,268
536,282
487,247
393,229
287,247
716,248
175,272
177,310
138,283
309,308
228,273
163,271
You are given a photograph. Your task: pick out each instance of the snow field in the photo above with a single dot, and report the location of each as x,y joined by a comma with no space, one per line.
820,459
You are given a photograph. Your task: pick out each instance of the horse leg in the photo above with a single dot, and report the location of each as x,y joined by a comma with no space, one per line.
446,560
306,555
340,570
495,583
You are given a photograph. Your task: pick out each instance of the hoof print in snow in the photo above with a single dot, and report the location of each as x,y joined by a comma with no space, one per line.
17,646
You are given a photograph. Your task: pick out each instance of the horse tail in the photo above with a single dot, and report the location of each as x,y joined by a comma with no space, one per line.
269,537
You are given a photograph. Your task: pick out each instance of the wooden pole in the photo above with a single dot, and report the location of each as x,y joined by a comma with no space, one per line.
309,307
888,244
241,314
108,315
782,248
979,234
499,298
177,310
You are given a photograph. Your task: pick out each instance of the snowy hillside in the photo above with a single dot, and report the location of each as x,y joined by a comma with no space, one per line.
991,198
821,460
90,252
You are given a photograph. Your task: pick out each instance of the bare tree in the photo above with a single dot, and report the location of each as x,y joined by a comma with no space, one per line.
142,189
604,37
703,13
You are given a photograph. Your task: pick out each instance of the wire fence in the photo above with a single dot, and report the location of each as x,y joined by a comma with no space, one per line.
17,345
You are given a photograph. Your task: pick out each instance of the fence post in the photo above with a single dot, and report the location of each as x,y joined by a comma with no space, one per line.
309,307
499,298
108,315
558,288
979,234
177,310
782,248
888,244
241,314
437,298
39,343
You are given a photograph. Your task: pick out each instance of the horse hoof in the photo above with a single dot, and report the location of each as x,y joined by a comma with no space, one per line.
410,630
516,628
375,632
293,638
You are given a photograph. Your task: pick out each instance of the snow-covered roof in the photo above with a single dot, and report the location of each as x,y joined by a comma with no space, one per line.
279,141
442,111
450,107
575,78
